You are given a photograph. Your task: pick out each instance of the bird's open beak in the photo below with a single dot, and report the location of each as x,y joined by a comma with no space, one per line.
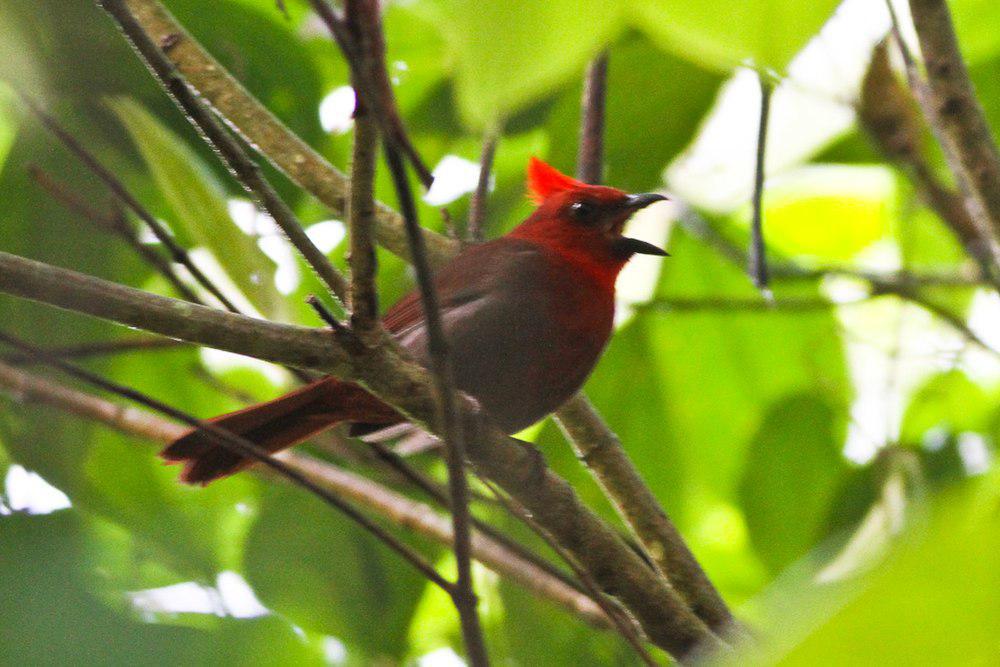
634,203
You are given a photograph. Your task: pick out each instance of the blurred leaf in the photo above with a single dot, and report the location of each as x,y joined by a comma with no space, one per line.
948,401
974,21
791,475
641,139
829,212
51,616
508,54
722,35
317,568
932,602
199,204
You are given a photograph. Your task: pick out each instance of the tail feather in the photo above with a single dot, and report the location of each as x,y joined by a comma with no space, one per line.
274,426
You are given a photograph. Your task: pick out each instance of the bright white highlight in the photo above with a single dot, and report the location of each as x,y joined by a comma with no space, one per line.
336,111
453,177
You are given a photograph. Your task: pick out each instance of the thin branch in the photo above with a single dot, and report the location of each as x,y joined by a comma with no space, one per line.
361,213
369,76
112,223
268,135
477,208
106,348
624,623
243,447
450,427
113,183
601,450
246,171
757,258
955,113
590,157
27,387
513,465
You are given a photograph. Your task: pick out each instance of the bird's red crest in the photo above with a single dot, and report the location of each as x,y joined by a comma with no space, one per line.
544,180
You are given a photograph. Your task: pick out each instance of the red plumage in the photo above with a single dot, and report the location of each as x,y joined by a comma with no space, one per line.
526,316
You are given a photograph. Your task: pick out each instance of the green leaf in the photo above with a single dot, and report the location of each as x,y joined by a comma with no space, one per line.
975,22
722,35
640,138
199,204
948,401
508,54
792,473
317,568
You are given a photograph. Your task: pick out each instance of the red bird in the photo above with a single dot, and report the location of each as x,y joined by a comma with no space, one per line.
527,316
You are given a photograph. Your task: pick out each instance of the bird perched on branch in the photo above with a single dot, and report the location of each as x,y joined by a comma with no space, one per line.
526,316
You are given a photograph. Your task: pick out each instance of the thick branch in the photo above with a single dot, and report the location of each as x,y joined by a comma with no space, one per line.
957,115
268,135
32,389
514,466
361,215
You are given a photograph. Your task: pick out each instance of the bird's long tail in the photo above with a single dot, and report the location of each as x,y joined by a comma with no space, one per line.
276,425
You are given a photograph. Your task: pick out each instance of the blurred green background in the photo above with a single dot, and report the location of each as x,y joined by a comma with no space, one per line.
832,465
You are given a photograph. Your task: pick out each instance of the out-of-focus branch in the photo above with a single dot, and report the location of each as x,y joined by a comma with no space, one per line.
113,183
955,113
87,350
243,447
243,168
888,114
29,388
599,447
477,208
513,465
757,257
268,135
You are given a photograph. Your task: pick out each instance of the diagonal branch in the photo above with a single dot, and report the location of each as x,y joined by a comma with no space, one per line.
951,107
32,389
601,450
513,465
246,171
268,135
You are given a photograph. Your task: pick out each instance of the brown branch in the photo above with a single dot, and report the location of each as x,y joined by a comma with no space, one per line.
625,624
243,447
601,450
477,208
369,76
757,257
246,171
514,465
361,210
29,388
446,415
115,224
268,135
113,183
954,111
87,350
590,157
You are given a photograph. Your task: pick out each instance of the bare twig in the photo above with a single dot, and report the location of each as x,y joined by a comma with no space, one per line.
87,350
757,258
262,130
590,157
955,113
369,76
113,183
112,223
450,427
477,208
624,623
601,450
243,447
361,209
243,168
512,464
29,388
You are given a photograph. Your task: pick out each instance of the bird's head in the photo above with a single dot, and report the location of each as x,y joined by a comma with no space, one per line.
583,221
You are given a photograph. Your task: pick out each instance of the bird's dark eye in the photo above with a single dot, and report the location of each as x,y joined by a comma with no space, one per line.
582,211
